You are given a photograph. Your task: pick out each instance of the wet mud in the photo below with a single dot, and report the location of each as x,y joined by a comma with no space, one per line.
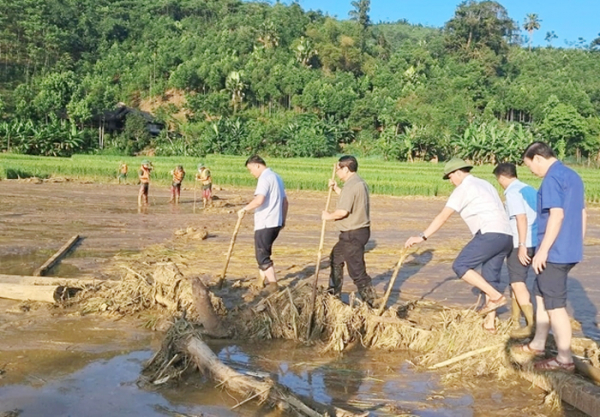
53,360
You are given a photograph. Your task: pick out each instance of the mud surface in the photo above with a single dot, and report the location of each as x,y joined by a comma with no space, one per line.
52,355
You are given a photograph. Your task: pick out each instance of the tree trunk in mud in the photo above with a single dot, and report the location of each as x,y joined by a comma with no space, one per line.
206,313
67,282
43,293
255,389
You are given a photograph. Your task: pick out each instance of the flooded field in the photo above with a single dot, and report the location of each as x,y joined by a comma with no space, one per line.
53,362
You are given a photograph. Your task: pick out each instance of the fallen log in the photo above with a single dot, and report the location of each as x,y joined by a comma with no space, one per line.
67,282
56,257
579,393
43,293
261,390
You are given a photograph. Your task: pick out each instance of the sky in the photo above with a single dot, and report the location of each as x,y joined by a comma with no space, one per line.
569,19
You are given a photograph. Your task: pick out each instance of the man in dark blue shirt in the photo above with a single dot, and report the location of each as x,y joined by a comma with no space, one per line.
561,229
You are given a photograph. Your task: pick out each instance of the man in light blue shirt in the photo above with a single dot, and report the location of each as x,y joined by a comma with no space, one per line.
271,205
521,202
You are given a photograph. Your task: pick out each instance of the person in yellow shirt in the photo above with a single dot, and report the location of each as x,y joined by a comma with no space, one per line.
144,177
123,169
204,176
178,175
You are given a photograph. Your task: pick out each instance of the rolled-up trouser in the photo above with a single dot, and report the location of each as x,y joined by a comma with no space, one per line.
263,245
350,249
487,250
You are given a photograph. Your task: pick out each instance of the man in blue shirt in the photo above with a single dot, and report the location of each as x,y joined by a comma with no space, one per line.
561,229
521,203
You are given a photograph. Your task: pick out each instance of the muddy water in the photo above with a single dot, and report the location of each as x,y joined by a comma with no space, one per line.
87,362
75,368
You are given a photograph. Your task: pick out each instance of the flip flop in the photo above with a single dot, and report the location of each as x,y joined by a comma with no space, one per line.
528,350
492,305
553,364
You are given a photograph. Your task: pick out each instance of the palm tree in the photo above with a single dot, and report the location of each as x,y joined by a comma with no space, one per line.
531,24
550,36
235,85
360,13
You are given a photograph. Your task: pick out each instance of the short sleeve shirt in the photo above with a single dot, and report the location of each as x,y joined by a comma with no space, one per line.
479,204
562,188
354,199
522,199
270,213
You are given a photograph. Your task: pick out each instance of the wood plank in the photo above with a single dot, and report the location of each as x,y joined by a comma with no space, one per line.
56,257
43,293
578,392
67,282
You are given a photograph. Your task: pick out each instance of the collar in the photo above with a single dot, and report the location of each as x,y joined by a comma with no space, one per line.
512,185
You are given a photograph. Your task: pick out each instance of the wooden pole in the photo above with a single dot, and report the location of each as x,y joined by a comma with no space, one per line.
56,257
392,281
67,282
319,255
43,293
230,251
195,194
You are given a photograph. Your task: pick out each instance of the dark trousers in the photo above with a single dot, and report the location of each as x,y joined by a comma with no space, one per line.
263,246
350,250
488,250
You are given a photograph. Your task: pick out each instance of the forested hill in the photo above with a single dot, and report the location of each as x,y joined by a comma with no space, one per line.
235,77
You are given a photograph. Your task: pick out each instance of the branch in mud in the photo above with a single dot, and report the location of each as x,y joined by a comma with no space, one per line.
183,346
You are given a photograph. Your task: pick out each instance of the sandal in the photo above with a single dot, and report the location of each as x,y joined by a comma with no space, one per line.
553,364
527,349
492,305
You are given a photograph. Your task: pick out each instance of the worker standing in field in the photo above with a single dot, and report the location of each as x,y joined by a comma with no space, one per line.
144,177
479,205
123,169
521,203
178,175
562,222
352,219
204,176
271,206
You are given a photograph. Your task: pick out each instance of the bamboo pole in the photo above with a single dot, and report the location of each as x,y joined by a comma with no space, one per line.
466,356
319,255
195,194
230,251
56,257
392,281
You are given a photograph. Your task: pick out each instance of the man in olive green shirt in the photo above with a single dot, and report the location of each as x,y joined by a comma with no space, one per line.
353,220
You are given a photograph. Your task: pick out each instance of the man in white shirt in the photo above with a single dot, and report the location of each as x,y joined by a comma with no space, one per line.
271,205
521,204
479,205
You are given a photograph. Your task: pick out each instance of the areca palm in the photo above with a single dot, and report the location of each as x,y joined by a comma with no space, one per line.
532,24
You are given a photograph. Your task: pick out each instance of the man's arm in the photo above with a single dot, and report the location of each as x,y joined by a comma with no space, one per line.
522,235
552,230
285,209
584,221
258,200
339,214
433,227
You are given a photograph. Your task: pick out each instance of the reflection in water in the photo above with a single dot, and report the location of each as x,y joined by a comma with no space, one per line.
105,388
382,383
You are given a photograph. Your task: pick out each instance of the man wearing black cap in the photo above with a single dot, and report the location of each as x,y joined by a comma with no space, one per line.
479,205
